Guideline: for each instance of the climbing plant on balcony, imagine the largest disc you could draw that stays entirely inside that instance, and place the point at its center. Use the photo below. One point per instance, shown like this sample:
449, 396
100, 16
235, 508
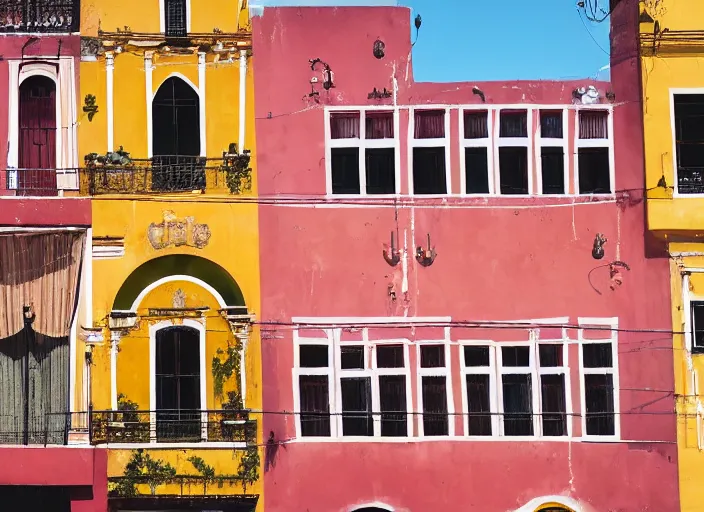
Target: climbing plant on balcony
226, 363
248, 470
119, 158
238, 173
206, 472
142, 468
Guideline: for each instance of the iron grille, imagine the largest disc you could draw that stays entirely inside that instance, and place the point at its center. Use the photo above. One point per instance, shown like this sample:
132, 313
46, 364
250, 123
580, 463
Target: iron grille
39, 16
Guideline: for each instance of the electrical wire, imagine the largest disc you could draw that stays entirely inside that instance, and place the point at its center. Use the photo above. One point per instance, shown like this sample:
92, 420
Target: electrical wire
590, 33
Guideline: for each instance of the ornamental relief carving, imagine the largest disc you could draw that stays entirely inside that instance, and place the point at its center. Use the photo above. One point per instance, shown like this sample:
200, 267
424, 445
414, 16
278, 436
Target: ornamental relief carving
178, 232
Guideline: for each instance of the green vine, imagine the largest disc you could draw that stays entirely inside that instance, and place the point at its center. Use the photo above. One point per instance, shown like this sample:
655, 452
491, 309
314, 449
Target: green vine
206, 472
141, 468
116, 158
238, 173
226, 363
248, 470
127, 407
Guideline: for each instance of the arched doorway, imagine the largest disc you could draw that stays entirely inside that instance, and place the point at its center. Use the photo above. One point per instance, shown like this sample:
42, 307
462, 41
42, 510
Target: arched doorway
37, 137
176, 162
178, 384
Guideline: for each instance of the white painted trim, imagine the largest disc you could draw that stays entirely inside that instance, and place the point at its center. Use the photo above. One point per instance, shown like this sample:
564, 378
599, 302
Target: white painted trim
114, 341
162, 16
243, 101
110, 99
72, 349
607, 143
609, 324
173, 446
687, 307
178, 277
504, 106
479, 370
426, 143
565, 501
541, 143
375, 504
372, 320
88, 282
362, 143
673, 91
149, 95
487, 143
513, 142
201, 106
153, 329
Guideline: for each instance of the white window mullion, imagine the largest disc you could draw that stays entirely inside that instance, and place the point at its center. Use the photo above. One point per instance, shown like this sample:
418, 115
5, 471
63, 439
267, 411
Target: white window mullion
362, 152
536, 392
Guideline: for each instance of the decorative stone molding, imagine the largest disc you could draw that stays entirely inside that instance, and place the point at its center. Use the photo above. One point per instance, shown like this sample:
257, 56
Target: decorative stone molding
174, 232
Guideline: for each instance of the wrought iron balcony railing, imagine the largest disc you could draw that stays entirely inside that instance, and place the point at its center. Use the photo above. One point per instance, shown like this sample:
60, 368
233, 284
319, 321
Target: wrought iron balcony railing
41, 182
690, 180
40, 429
172, 426
45, 16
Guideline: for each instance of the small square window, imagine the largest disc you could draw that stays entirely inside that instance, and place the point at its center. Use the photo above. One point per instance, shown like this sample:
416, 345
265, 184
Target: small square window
593, 124
390, 356
476, 356
429, 124
597, 355
379, 125
344, 125
513, 124
313, 356
476, 125
381, 171
352, 357
344, 166
550, 355
550, 124
432, 356
429, 171
515, 356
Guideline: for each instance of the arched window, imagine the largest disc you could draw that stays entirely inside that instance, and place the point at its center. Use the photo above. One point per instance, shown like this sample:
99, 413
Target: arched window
175, 16
177, 381
176, 164
37, 137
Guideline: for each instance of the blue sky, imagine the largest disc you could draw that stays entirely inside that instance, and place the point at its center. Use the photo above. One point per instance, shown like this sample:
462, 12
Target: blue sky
475, 40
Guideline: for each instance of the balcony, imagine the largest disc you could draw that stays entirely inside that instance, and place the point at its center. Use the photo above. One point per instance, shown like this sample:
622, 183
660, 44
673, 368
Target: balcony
41, 182
46, 16
172, 426
36, 430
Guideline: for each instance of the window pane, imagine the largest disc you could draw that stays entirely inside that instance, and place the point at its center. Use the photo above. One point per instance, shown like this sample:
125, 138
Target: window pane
315, 405
513, 170
381, 171
392, 400
429, 171
599, 398
597, 355
515, 356
478, 405
344, 125
552, 392
476, 168
379, 125
552, 162
550, 355
352, 357
344, 165
313, 356
518, 405
429, 124
593, 124
435, 420
432, 356
356, 407
513, 124
594, 177
389, 356
550, 124
689, 133
476, 356
476, 125
697, 326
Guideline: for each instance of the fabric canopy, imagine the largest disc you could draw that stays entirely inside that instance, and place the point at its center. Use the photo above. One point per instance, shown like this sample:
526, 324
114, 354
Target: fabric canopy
40, 270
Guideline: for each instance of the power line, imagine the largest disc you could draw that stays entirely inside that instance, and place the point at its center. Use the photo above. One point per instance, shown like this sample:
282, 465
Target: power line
590, 33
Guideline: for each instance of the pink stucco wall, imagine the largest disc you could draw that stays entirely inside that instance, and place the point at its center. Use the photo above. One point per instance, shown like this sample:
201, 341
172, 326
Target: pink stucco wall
498, 259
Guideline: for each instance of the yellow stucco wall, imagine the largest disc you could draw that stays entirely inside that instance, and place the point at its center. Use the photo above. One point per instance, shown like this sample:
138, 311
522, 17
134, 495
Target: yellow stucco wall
672, 217
234, 240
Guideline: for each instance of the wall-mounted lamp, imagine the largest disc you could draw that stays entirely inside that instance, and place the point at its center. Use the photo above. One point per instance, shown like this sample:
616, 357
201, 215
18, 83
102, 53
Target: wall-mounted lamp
327, 73
392, 255
378, 95
598, 247
476, 90
378, 49
426, 256
615, 273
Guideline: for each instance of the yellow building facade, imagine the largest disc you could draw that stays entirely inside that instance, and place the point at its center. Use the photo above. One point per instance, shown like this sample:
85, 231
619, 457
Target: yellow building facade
169, 364
672, 66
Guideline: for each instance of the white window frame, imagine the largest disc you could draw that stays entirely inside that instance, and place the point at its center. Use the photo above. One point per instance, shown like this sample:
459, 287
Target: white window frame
595, 143
563, 370
162, 16
487, 142
383, 372
519, 370
362, 144
328, 371
513, 142
673, 126
446, 372
429, 143
563, 143
493, 389
610, 324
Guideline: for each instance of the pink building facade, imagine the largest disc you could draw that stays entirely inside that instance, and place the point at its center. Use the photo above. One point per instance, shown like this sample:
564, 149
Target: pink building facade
44, 237
444, 326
